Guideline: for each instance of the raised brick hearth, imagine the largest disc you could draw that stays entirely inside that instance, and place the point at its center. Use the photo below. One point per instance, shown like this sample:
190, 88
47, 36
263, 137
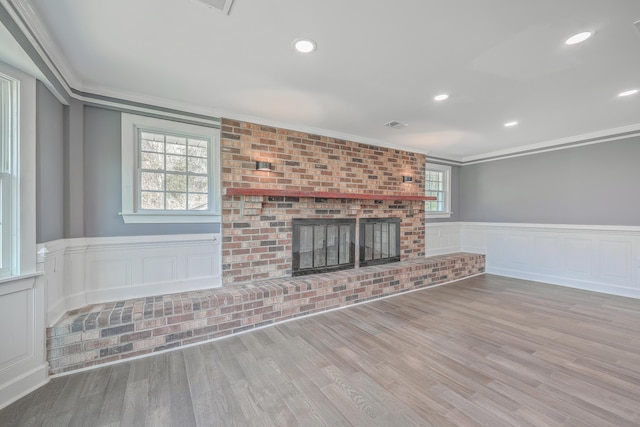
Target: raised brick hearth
108, 332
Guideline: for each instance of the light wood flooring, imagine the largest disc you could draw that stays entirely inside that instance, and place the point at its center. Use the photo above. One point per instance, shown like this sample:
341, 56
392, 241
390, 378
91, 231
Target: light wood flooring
487, 351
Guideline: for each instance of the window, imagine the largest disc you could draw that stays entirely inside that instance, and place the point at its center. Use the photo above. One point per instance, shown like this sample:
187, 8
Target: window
438, 185
17, 172
8, 150
170, 171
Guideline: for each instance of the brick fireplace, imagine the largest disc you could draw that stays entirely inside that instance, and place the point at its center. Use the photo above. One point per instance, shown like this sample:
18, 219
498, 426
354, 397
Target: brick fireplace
257, 229
355, 181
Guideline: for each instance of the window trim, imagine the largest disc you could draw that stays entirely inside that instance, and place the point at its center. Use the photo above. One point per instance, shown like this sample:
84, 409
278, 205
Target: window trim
23, 179
9, 191
447, 193
131, 124
7, 229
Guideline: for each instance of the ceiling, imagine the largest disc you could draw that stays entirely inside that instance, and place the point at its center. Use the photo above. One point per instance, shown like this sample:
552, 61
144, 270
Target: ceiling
376, 61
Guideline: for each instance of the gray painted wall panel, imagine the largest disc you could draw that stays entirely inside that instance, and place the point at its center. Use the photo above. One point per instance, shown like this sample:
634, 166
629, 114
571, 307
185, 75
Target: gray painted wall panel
49, 166
102, 182
595, 184
74, 170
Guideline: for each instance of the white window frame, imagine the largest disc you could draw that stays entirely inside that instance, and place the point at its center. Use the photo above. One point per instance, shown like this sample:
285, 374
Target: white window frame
9, 122
19, 132
446, 213
131, 125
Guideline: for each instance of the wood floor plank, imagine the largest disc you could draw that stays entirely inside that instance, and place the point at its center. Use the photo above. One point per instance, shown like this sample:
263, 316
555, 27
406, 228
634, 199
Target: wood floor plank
29, 412
181, 406
211, 394
485, 351
261, 393
136, 396
113, 396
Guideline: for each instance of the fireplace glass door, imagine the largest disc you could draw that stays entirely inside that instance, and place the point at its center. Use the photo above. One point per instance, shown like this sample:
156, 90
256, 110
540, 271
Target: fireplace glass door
321, 245
379, 241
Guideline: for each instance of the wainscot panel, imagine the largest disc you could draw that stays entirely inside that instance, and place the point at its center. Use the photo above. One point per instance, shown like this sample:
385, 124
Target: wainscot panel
442, 238
85, 271
591, 257
23, 366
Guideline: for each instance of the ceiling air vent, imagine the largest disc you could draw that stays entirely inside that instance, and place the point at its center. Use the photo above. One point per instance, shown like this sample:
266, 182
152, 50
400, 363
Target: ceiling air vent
223, 5
396, 124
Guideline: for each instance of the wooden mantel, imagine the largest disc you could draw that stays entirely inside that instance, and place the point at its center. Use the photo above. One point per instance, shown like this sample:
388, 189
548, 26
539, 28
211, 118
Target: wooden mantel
322, 194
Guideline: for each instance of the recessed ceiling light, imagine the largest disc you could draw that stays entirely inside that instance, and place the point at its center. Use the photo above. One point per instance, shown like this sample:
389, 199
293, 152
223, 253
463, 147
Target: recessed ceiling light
578, 38
628, 92
441, 97
304, 45
510, 124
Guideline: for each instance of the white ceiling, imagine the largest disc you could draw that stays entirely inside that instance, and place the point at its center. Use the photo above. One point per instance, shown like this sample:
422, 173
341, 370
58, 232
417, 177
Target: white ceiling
376, 61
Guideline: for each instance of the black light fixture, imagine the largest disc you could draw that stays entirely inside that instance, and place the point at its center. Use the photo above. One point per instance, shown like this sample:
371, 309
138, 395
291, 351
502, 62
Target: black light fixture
407, 178
263, 166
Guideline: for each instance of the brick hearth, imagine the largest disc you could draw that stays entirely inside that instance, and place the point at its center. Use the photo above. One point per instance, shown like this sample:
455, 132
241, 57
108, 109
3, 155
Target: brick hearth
108, 332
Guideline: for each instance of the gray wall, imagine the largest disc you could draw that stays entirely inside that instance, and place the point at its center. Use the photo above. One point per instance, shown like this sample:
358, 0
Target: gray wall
594, 184
74, 170
102, 182
49, 166
455, 196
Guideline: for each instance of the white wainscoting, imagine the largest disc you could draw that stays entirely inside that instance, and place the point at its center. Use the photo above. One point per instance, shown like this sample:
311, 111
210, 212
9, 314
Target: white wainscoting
597, 258
85, 271
442, 238
23, 367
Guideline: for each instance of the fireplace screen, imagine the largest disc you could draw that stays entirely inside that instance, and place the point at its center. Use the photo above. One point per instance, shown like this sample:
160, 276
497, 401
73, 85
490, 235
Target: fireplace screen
321, 245
379, 241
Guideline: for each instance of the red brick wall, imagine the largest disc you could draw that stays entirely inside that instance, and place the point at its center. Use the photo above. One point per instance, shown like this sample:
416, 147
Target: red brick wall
257, 230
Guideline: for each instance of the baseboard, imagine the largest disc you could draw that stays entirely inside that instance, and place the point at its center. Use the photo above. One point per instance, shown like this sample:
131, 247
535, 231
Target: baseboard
58, 309
23, 385
569, 283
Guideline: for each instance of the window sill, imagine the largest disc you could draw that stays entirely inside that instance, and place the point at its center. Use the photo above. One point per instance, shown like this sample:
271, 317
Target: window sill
170, 218
10, 284
436, 215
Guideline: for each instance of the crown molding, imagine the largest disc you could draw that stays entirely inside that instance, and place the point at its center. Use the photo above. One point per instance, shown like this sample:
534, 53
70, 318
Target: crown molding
444, 159
42, 49
557, 144
144, 104
149, 106
65, 84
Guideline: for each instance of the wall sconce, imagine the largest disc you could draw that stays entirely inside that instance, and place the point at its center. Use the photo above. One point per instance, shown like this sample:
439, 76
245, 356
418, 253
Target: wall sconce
407, 178
263, 166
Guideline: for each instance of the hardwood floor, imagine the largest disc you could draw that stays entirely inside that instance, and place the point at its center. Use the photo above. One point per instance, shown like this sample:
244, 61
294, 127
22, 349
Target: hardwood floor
487, 351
